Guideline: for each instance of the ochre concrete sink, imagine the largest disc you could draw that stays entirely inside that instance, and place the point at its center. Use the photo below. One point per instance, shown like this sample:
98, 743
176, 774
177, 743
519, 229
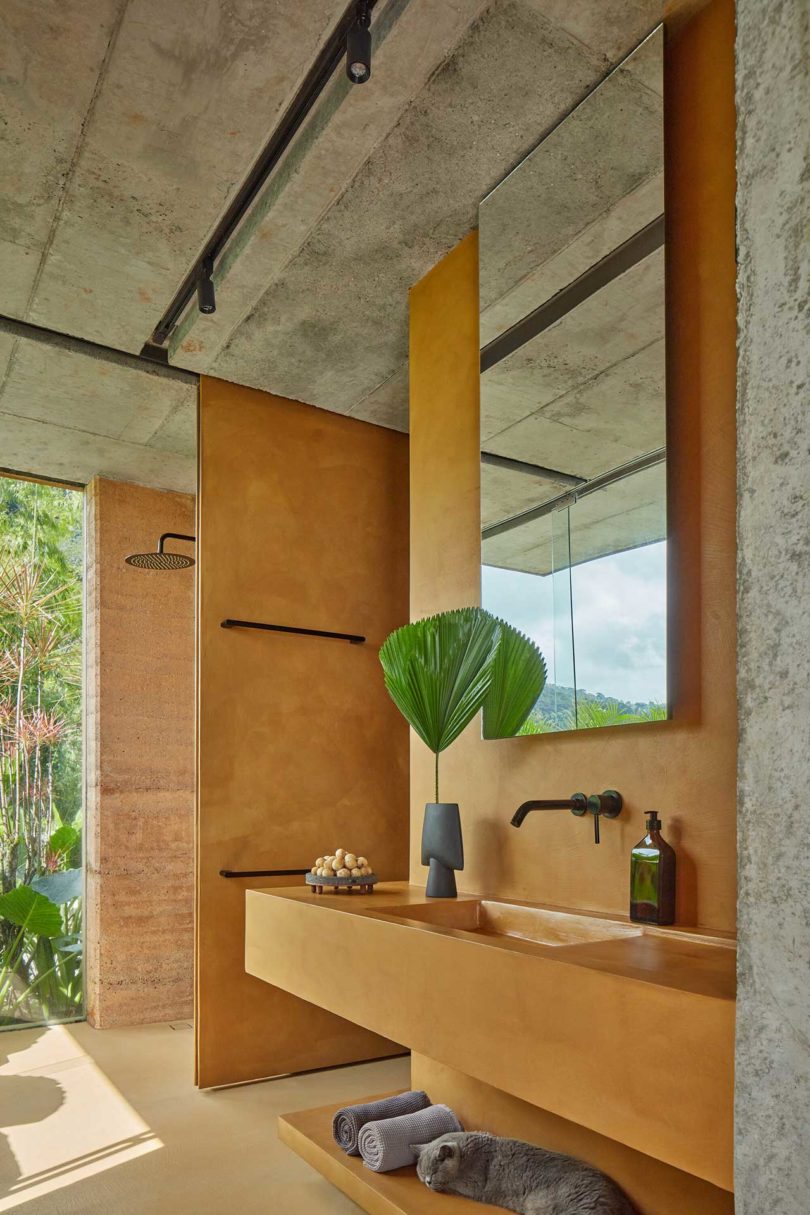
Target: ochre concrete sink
587, 1016
491, 918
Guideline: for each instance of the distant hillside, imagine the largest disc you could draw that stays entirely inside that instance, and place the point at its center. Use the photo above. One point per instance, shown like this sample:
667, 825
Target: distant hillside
555, 709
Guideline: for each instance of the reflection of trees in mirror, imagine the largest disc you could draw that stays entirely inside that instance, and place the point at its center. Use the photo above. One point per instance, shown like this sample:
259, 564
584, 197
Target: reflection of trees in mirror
591, 712
41, 557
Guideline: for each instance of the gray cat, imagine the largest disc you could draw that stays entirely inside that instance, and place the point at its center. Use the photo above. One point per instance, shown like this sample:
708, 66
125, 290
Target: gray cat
518, 1176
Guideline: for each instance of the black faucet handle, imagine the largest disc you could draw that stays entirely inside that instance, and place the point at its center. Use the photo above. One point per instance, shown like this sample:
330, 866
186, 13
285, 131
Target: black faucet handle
607, 805
579, 804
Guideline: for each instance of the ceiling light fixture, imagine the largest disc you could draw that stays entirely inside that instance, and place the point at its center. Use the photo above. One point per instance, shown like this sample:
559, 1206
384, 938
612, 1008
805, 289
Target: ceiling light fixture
334, 52
206, 299
358, 46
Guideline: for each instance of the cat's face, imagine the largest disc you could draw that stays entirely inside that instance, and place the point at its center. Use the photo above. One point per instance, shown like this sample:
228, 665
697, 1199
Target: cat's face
437, 1163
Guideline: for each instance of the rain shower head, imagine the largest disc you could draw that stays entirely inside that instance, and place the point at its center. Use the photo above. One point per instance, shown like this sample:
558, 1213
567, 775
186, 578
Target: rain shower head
160, 560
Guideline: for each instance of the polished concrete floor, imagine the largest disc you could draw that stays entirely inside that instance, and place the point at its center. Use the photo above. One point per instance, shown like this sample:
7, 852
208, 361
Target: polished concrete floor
109, 1123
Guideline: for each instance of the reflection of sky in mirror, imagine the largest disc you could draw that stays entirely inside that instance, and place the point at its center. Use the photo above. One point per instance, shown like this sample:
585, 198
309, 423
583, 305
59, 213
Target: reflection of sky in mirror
619, 619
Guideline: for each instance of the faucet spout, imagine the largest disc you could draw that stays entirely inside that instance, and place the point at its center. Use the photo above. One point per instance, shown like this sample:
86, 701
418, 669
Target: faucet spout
577, 803
600, 805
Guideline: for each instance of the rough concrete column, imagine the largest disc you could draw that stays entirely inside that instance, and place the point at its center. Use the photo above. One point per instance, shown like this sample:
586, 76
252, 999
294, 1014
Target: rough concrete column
773, 1038
140, 761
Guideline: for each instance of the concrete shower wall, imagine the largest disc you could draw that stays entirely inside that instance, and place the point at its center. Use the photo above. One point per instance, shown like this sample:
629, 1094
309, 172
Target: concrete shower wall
773, 207
140, 761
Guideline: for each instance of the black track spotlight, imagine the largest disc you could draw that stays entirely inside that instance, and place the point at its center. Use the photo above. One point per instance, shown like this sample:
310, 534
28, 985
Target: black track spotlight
358, 46
206, 300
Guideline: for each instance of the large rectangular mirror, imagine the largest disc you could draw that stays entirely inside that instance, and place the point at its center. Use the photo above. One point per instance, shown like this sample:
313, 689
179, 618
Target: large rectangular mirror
573, 403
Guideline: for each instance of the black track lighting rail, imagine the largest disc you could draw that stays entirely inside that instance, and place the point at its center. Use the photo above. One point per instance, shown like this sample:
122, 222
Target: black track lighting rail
159, 367
331, 55
352, 638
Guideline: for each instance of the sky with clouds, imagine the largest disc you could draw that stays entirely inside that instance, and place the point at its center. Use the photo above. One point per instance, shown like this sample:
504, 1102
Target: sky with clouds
619, 620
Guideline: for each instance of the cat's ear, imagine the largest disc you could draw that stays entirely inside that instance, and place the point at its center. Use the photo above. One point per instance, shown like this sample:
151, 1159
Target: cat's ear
446, 1150
417, 1149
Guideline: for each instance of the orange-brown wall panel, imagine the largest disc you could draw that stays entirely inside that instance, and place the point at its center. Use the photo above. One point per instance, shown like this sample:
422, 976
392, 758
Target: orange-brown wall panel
303, 521
139, 904
685, 768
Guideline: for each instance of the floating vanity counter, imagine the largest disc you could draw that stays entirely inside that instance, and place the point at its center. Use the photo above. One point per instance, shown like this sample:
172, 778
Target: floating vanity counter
625, 1029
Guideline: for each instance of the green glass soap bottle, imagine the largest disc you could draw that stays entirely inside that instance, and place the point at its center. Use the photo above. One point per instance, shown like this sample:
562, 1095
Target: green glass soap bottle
652, 877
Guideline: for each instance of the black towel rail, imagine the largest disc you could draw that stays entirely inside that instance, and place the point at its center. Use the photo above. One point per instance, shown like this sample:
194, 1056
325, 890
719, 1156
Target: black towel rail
352, 638
239, 873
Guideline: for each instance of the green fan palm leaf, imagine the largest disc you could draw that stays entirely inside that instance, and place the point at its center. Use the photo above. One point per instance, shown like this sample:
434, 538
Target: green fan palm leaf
518, 678
438, 672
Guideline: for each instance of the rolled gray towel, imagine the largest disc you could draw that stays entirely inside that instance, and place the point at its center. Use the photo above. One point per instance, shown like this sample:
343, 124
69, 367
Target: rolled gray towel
386, 1145
349, 1121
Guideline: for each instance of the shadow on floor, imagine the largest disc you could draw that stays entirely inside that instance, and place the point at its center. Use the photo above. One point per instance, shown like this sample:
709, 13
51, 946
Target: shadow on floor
23, 1100
126, 1131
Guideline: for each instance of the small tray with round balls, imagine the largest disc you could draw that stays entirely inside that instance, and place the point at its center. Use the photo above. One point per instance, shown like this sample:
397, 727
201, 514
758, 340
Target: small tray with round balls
341, 870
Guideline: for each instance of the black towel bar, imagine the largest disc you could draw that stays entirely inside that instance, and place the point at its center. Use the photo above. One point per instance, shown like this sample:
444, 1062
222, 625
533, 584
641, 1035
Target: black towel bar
236, 873
352, 638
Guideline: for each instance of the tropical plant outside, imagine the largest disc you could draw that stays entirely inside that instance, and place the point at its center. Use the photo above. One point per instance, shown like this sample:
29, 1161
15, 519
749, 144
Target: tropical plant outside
41, 561
590, 713
442, 670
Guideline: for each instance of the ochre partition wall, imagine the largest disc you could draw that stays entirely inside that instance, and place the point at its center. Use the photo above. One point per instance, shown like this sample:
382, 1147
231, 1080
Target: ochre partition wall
140, 761
684, 768
303, 521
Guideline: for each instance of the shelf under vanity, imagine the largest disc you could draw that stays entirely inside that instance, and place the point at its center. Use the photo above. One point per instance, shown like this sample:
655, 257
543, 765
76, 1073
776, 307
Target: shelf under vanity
308, 1133
587, 1003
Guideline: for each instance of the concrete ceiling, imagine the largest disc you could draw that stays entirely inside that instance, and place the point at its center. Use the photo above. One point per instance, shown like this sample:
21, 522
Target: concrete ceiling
586, 395
131, 123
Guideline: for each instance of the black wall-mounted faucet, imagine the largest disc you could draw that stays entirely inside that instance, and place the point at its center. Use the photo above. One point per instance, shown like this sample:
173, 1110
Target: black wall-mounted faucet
600, 805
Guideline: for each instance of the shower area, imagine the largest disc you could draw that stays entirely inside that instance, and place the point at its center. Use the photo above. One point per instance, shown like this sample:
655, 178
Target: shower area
140, 754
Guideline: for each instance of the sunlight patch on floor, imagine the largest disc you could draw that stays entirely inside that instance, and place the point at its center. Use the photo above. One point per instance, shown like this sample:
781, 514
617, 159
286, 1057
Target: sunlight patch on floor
62, 1118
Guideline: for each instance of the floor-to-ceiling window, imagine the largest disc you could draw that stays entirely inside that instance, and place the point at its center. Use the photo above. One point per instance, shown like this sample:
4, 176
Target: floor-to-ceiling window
41, 760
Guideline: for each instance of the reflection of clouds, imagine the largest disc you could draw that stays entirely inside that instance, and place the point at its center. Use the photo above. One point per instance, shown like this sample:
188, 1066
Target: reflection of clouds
619, 619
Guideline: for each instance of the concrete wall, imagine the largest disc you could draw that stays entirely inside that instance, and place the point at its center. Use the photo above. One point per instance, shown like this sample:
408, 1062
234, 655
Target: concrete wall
140, 761
773, 1055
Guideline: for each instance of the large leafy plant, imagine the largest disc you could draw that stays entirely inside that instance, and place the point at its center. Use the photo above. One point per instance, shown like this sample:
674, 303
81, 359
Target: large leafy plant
442, 670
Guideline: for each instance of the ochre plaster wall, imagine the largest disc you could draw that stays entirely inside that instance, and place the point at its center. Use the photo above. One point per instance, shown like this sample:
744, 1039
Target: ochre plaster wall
140, 761
685, 768
303, 520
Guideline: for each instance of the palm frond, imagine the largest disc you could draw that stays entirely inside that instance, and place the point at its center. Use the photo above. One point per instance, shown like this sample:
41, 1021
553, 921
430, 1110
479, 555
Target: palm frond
518, 678
438, 671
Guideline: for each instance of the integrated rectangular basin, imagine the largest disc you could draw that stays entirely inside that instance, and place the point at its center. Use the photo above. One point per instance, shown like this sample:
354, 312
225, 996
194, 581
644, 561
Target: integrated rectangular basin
491, 918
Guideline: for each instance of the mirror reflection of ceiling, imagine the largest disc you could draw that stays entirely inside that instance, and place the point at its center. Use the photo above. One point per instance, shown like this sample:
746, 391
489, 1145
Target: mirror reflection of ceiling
131, 124
626, 514
586, 395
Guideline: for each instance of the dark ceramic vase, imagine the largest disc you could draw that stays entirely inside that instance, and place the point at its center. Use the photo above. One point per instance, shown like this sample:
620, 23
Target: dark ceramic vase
442, 848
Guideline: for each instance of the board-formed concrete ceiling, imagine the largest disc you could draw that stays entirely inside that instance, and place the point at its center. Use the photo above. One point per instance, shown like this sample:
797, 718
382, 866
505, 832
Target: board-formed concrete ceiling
129, 126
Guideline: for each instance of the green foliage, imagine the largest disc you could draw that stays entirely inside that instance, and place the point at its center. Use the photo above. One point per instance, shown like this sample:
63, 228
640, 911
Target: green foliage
518, 678
41, 565
31, 911
65, 845
440, 671
653, 712
61, 887
592, 713
558, 709
536, 725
